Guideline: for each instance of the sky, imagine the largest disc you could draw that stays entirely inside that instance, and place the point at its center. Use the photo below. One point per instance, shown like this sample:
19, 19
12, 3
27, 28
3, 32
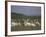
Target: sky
26, 10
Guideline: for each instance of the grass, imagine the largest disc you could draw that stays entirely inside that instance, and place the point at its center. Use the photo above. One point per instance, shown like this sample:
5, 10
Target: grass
23, 28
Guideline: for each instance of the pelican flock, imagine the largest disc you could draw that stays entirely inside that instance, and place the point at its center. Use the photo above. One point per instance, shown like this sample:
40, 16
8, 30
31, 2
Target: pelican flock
26, 23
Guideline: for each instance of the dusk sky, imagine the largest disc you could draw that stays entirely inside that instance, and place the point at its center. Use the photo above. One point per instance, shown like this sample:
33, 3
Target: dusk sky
26, 10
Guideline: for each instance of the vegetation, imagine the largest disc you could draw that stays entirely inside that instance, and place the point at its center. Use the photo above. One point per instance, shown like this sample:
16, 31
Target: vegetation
17, 17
